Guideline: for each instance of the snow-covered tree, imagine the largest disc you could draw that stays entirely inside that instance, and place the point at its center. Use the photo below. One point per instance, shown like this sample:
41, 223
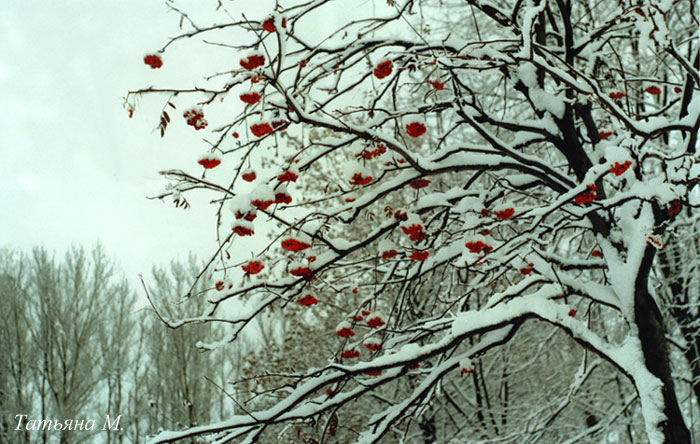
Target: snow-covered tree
16, 365
425, 181
64, 342
180, 384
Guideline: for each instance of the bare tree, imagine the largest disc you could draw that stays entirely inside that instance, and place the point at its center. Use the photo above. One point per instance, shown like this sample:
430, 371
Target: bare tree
184, 385
70, 309
117, 339
16, 365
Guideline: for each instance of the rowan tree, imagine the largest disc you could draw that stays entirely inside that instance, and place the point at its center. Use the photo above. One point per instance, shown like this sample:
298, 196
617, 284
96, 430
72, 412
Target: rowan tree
431, 179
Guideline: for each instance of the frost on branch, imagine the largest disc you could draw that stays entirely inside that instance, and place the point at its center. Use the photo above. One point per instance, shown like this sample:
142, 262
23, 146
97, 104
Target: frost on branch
467, 210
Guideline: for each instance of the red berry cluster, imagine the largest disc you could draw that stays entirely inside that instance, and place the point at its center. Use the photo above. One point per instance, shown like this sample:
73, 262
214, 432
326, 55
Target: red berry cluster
249, 176
288, 176
260, 129
279, 124
307, 301
195, 118
527, 270
250, 217
618, 169
394, 161
605, 134
375, 322
371, 154
243, 231
269, 24
572, 312
351, 354
504, 214
653, 90
415, 129
675, 207
250, 98
300, 271
359, 179
262, 204
252, 61
373, 346
587, 196
477, 247
209, 163
283, 198
383, 69
414, 232
294, 245
219, 285
617, 95
437, 84
597, 253
345, 332
399, 215
389, 254
419, 256
153, 60
419, 183
253, 267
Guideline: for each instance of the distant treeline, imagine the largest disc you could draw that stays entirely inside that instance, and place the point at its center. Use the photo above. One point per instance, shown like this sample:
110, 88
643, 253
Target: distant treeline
75, 353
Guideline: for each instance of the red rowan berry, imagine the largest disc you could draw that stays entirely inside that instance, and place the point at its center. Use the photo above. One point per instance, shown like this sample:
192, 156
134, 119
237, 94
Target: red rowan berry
415, 129
153, 60
383, 69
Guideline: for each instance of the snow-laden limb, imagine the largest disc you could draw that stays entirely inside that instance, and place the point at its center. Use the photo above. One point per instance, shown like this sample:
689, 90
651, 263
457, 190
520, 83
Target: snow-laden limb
539, 305
294, 407
628, 356
381, 424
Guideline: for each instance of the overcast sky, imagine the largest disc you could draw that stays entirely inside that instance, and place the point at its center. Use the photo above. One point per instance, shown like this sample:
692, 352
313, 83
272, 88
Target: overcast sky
74, 168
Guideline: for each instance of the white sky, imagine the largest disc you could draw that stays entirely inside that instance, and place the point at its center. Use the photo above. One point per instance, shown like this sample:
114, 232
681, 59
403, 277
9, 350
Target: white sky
74, 169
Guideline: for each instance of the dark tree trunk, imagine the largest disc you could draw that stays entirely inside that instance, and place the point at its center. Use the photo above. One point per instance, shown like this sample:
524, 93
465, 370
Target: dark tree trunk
654, 346
669, 262
427, 426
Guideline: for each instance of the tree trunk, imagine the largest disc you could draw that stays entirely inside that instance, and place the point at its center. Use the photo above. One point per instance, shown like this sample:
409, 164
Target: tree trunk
669, 262
427, 426
652, 335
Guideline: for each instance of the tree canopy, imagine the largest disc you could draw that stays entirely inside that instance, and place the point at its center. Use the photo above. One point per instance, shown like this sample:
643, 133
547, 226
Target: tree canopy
434, 185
